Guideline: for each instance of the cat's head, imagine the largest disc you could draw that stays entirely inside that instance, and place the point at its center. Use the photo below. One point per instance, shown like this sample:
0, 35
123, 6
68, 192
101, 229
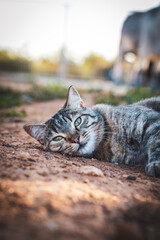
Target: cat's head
74, 129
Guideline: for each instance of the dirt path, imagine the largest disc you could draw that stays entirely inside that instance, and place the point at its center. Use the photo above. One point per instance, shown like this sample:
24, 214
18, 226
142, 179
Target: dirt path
46, 196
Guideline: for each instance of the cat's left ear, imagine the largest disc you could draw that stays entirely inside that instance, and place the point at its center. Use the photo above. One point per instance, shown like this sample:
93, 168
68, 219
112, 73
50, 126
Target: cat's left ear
73, 99
35, 130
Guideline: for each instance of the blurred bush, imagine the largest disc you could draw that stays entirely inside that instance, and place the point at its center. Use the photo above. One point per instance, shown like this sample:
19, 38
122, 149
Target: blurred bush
45, 66
44, 93
9, 97
131, 96
13, 113
10, 62
93, 65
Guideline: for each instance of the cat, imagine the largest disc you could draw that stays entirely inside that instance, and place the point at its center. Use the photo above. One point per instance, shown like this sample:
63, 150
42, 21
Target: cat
127, 134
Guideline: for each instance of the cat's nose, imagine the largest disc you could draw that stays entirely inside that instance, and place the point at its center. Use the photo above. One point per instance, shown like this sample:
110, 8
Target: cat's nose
76, 139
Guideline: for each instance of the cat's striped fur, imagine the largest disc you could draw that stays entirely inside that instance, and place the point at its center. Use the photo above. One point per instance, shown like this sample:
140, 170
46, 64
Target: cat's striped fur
125, 134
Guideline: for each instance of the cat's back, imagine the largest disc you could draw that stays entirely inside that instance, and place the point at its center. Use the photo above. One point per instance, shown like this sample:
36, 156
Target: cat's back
129, 121
152, 103
127, 130
144, 110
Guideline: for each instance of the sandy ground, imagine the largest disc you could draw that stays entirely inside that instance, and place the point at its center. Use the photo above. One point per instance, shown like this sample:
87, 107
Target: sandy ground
47, 196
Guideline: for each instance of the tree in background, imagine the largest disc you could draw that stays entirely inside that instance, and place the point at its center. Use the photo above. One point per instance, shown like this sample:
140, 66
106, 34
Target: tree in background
12, 62
45, 66
92, 67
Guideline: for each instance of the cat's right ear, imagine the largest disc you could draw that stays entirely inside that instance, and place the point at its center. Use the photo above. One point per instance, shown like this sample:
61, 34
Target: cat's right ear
73, 99
35, 130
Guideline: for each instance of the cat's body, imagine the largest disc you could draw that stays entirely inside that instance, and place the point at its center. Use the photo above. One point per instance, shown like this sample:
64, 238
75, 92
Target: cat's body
125, 134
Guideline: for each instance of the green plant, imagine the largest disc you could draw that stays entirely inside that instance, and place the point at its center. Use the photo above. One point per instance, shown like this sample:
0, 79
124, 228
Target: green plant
9, 97
131, 96
110, 98
135, 95
90, 90
13, 113
44, 93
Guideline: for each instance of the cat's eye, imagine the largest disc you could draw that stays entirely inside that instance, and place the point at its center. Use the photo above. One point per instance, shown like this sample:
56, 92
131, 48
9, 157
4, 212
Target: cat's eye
58, 138
77, 122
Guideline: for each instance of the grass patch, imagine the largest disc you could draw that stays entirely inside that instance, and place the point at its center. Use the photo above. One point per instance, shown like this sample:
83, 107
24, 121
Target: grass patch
45, 93
13, 113
131, 96
9, 97
90, 90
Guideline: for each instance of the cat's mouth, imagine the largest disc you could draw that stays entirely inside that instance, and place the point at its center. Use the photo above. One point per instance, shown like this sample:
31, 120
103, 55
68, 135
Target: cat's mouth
81, 145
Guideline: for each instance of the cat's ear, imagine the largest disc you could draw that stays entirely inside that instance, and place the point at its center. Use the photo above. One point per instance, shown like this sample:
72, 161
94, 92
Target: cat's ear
35, 130
73, 99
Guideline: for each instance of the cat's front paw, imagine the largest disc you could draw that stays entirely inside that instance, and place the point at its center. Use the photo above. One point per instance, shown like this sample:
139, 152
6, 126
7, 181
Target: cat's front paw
153, 169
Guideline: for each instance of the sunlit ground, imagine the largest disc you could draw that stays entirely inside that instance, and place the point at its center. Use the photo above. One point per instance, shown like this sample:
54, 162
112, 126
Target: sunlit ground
47, 196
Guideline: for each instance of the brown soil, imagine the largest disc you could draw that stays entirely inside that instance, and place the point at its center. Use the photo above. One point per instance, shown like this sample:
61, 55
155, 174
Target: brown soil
46, 196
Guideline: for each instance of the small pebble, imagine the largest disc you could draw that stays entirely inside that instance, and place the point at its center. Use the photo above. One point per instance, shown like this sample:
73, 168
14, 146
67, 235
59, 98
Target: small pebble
76, 164
66, 177
26, 175
32, 168
5, 132
63, 166
24, 155
105, 182
131, 177
92, 171
86, 181
119, 182
31, 160
125, 175
139, 175
35, 154
44, 173
69, 163
20, 170
47, 154
52, 226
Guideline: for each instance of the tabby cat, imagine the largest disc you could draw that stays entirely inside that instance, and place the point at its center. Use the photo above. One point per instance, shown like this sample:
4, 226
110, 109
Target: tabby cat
127, 134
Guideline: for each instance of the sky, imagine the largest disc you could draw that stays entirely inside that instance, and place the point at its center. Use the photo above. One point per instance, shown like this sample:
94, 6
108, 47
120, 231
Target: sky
39, 28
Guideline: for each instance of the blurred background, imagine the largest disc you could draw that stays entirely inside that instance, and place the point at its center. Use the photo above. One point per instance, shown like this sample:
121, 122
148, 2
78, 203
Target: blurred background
110, 51
95, 45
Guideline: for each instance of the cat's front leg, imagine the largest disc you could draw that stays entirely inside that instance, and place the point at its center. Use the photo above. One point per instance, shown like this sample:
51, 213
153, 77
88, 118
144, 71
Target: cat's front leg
153, 166
153, 169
